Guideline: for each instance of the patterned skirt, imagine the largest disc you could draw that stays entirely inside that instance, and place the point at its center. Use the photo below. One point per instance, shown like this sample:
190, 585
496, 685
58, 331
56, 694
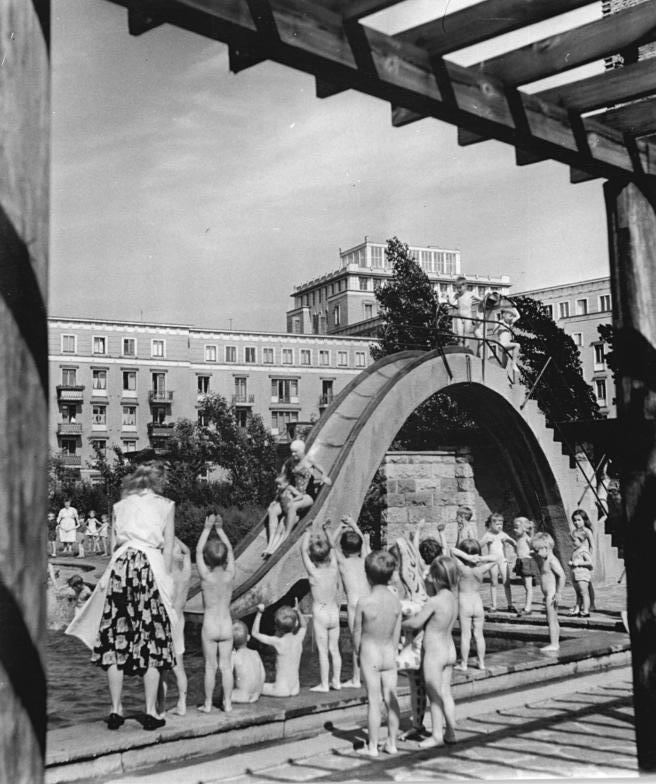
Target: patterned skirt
135, 631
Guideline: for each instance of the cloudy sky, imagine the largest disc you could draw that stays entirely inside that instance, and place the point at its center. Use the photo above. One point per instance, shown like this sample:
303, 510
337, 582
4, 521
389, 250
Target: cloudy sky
182, 193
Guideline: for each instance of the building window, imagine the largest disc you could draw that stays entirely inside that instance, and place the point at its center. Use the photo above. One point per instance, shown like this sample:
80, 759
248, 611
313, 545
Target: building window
342, 358
68, 413
280, 420
306, 356
368, 311
284, 390
129, 381
210, 353
249, 355
241, 389
231, 353
69, 377
68, 344
267, 356
203, 421
599, 358
129, 347
129, 420
324, 357
360, 360
99, 417
363, 283
377, 257
157, 348
129, 445
159, 384
577, 337
336, 316
241, 416
99, 381
203, 385
100, 345
548, 310
296, 325
287, 356
99, 446
600, 390
69, 446
563, 310
582, 307
604, 302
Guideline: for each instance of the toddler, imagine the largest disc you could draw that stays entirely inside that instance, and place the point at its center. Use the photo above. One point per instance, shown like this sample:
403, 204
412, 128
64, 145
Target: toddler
290, 629
375, 637
466, 528
80, 589
247, 667
80, 536
181, 578
103, 533
581, 522
93, 531
321, 566
552, 579
525, 565
216, 568
494, 539
581, 565
277, 512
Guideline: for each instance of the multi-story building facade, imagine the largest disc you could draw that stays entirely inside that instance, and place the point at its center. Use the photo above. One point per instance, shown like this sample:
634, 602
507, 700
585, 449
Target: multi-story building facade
579, 308
126, 383
344, 301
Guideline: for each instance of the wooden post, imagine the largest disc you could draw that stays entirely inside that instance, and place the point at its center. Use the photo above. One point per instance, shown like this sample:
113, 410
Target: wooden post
24, 127
631, 210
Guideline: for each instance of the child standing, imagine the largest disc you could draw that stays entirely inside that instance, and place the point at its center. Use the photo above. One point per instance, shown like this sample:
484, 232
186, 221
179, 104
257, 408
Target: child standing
525, 565
321, 566
80, 536
93, 532
247, 667
181, 578
552, 579
466, 528
288, 644
437, 618
375, 637
216, 567
494, 539
351, 549
103, 533
581, 565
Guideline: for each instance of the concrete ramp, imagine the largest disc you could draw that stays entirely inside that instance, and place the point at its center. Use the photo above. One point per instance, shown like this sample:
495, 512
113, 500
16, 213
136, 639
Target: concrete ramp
354, 433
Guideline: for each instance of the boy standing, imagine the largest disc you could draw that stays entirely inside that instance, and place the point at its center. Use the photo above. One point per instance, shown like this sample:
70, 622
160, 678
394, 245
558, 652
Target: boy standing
216, 567
375, 637
552, 579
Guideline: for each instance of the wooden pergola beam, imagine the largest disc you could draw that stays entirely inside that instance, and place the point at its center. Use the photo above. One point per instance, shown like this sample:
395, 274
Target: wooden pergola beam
637, 118
312, 39
356, 9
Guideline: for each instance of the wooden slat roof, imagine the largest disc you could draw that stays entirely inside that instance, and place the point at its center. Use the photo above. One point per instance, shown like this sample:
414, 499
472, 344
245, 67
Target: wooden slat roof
331, 40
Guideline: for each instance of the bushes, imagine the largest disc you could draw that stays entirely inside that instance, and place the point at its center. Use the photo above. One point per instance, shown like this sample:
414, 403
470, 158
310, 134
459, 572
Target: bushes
237, 521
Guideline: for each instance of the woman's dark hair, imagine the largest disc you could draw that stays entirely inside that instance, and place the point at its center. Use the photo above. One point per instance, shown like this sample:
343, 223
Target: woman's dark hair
379, 567
350, 542
470, 546
583, 515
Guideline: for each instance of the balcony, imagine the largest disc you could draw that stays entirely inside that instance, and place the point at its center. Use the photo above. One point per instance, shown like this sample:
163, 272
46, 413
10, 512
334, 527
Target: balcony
160, 429
70, 392
243, 399
69, 429
325, 400
71, 461
160, 396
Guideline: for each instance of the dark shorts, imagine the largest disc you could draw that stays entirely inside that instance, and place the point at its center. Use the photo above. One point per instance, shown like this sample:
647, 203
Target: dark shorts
526, 567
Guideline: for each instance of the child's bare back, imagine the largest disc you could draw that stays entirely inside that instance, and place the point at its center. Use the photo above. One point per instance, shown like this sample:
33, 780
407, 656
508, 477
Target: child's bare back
288, 645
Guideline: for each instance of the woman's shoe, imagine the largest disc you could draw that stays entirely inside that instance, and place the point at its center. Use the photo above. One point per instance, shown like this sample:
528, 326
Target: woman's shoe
114, 721
152, 723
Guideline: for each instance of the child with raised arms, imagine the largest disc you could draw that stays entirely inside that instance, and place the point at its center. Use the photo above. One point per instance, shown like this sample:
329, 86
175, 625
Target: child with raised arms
437, 619
288, 644
552, 579
375, 637
321, 565
525, 567
216, 568
494, 539
351, 549
247, 667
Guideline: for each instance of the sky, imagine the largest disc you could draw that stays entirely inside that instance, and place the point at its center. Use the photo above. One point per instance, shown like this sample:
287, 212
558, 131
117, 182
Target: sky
182, 193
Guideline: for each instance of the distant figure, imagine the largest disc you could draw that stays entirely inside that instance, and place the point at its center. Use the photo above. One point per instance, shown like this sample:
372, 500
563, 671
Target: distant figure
103, 533
581, 565
288, 644
466, 528
581, 522
503, 335
80, 536
552, 579
67, 522
525, 567
465, 304
247, 667
494, 539
93, 531
216, 568
376, 636
321, 565
52, 534
81, 590
277, 512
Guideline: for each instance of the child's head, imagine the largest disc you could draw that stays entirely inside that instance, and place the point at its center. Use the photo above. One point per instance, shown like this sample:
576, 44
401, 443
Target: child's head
215, 553
542, 543
92, 513
464, 514
282, 481
579, 538
319, 549
470, 546
441, 525
521, 525
444, 573
104, 518
285, 620
429, 549
580, 519
76, 583
379, 567
494, 522
460, 283
239, 634
350, 542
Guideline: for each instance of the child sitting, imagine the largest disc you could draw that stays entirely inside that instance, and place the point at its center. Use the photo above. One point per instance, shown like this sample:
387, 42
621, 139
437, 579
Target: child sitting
525, 565
288, 644
351, 548
80, 590
375, 637
437, 618
581, 564
247, 667
277, 512
216, 568
552, 579
494, 539
321, 566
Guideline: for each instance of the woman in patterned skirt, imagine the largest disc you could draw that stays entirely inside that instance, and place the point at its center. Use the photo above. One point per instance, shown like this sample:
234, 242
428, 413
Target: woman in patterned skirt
127, 621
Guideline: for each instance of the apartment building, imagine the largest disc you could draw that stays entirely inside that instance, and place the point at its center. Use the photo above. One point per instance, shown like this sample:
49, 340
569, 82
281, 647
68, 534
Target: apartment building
579, 308
126, 383
343, 302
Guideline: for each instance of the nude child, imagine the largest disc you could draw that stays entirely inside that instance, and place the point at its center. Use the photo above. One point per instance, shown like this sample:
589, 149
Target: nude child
247, 667
216, 567
288, 644
552, 579
181, 578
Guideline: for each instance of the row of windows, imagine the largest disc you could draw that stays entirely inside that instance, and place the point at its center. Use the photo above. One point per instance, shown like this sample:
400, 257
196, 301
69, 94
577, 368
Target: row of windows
287, 356
580, 307
99, 346
598, 354
437, 261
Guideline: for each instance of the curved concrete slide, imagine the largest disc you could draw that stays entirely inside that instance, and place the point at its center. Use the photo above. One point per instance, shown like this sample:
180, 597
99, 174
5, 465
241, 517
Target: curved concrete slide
353, 435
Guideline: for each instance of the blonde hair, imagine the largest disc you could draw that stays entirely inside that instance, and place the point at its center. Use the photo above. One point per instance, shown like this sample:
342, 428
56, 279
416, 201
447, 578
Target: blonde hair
527, 525
542, 539
149, 476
